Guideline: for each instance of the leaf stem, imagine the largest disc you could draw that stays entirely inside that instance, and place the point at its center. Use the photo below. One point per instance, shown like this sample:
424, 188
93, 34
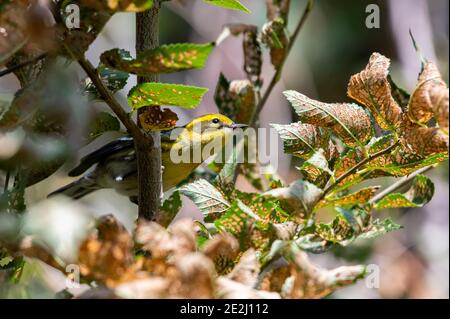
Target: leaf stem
356, 167
106, 94
399, 184
23, 64
276, 77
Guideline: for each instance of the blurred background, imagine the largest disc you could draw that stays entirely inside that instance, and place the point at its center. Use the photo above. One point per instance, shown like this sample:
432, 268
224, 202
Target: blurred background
334, 44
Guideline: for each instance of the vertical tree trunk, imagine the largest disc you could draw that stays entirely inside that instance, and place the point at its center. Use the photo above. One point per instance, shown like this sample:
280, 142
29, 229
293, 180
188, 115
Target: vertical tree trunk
148, 155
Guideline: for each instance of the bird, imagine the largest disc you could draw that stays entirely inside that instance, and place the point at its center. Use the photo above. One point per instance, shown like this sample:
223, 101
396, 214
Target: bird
116, 164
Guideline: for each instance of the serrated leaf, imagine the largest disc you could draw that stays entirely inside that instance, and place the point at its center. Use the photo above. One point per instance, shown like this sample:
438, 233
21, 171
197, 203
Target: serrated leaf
359, 197
420, 193
118, 5
371, 88
205, 196
113, 79
164, 59
302, 139
348, 121
316, 169
146, 94
298, 199
425, 98
379, 228
157, 119
229, 4
103, 122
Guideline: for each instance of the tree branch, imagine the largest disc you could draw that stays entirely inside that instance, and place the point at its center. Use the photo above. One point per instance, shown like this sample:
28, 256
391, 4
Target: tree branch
399, 184
356, 167
148, 156
276, 77
23, 64
106, 94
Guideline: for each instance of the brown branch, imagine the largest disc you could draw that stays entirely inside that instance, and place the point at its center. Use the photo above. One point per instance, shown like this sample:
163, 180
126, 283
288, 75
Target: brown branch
399, 184
276, 77
149, 157
356, 167
109, 98
23, 64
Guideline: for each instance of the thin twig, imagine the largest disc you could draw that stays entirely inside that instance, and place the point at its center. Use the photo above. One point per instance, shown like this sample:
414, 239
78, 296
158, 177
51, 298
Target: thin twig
356, 167
399, 184
22, 64
276, 77
106, 94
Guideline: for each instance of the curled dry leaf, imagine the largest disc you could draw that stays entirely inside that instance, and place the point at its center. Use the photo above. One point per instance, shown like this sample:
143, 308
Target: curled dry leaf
274, 36
441, 107
427, 95
223, 250
349, 122
106, 256
230, 289
423, 141
247, 269
252, 57
371, 88
278, 9
242, 92
196, 274
157, 119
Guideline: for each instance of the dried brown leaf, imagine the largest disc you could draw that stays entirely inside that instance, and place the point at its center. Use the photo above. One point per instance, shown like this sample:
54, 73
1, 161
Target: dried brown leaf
223, 250
371, 88
247, 269
429, 90
441, 107
423, 141
230, 289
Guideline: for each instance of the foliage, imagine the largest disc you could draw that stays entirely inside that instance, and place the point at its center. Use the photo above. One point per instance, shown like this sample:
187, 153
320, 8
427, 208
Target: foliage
250, 244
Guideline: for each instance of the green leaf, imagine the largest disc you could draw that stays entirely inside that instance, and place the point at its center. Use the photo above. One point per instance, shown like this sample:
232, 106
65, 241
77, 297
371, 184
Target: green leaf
115, 80
349, 122
206, 197
118, 5
420, 193
379, 228
298, 199
170, 208
316, 169
164, 59
103, 122
228, 4
165, 94
302, 139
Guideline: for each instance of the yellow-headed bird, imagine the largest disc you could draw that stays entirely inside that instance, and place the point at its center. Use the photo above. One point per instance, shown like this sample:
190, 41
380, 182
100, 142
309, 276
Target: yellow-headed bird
116, 161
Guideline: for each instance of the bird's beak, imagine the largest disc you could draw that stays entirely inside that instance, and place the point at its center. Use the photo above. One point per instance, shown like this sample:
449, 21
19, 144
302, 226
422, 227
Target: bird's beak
234, 126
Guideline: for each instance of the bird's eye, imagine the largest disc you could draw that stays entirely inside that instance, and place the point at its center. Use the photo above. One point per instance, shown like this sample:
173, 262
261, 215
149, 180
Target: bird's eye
215, 121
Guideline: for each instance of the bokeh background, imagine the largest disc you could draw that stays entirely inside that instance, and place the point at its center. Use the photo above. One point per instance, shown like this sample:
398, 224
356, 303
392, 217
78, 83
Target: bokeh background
334, 44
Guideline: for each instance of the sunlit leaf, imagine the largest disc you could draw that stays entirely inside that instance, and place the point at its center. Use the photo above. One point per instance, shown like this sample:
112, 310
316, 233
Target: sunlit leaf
205, 196
157, 119
165, 94
302, 139
424, 141
371, 88
420, 193
349, 122
163, 59
379, 228
359, 197
228, 4
316, 169
298, 199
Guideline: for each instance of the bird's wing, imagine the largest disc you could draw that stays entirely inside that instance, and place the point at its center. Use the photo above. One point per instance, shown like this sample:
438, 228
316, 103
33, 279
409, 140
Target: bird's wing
111, 148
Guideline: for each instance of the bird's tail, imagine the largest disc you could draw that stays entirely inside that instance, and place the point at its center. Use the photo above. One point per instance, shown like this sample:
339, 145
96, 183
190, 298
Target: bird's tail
78, 189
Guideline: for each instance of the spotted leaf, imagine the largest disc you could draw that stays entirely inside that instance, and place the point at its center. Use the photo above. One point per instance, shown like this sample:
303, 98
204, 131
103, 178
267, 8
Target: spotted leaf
157, 119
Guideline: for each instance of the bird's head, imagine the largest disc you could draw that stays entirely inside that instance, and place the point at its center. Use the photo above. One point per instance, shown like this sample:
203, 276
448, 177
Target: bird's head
207, 128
